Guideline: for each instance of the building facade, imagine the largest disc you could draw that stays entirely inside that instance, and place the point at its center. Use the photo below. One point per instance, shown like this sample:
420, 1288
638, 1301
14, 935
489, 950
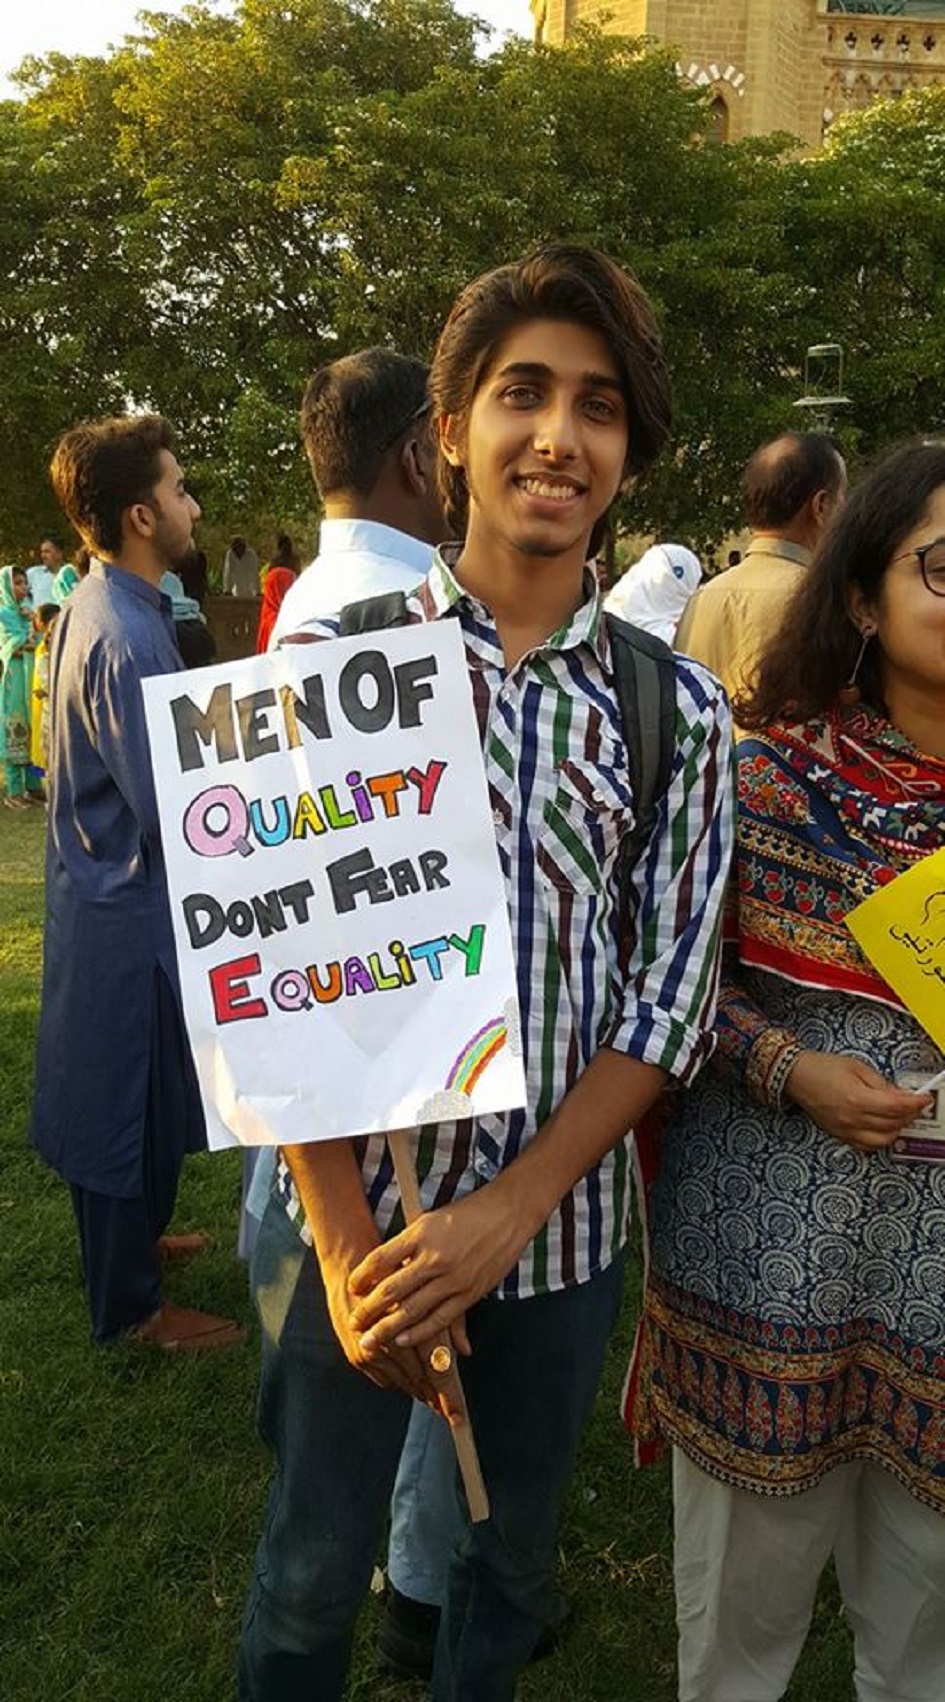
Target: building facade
792, 65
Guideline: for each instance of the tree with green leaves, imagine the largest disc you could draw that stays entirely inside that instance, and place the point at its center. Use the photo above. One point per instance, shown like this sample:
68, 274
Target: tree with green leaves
196, 221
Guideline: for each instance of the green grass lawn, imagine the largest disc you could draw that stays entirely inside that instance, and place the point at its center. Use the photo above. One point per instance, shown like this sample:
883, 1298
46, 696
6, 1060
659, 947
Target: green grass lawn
133, 1485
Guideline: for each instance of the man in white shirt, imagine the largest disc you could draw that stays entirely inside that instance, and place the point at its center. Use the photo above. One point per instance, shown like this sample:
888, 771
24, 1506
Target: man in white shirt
365, 426
42, 577
240, 570
365, 429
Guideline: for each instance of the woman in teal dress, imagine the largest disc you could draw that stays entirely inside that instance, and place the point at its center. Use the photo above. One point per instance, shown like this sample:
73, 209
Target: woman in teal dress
16, 660
792, 1349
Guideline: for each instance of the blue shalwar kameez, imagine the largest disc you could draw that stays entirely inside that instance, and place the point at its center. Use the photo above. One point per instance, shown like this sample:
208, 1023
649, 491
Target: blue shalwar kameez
116, 1104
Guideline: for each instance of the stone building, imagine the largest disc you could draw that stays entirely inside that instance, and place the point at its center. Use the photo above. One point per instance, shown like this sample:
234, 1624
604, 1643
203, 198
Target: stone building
791, 65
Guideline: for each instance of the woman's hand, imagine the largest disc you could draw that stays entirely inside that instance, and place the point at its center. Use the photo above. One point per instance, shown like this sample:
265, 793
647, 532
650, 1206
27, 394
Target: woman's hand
852, 1101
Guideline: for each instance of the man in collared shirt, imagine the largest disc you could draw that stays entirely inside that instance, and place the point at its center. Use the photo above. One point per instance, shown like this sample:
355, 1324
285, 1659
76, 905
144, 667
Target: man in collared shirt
365, 426
42, 578
550, 391
116, 1103
791, 488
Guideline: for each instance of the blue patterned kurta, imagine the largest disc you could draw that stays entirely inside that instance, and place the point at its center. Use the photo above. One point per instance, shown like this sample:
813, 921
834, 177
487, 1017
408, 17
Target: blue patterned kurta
796, 1307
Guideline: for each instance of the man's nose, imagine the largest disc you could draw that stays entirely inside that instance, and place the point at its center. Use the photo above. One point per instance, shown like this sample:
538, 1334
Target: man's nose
556, 430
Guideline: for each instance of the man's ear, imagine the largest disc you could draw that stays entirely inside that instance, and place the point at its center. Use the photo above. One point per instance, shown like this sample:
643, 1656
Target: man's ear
451, 440
822, 505
139, 519
414, 469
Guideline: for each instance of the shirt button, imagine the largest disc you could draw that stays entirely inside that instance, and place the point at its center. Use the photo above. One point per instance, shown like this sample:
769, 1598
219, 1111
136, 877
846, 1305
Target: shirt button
498, 818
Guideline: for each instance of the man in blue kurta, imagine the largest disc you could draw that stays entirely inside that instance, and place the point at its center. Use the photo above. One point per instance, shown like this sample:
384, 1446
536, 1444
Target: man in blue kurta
116, 1105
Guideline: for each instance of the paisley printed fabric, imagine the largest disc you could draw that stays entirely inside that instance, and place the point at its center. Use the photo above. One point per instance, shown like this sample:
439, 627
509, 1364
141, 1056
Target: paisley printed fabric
796, 1307
795, 1313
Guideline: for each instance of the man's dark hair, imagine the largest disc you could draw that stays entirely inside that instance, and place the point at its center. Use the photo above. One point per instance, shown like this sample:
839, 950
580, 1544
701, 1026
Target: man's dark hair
55, 539
284, 553
564, 282
102, 467
354, 411
783, 475
815, 649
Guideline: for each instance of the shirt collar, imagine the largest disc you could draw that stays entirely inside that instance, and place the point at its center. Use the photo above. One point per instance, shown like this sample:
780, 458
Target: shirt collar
125, 581
444, 593
370, 537
763, 544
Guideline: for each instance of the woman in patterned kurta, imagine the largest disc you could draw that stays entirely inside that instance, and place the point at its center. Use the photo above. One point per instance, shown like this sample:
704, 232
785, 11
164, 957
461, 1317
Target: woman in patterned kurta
793, 1344
16, 674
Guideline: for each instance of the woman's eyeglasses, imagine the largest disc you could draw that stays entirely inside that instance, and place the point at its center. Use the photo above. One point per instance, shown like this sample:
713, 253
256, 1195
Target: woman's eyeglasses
931, 560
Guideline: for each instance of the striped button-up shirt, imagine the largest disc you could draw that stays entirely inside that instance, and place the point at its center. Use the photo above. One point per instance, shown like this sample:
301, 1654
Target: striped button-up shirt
556, 765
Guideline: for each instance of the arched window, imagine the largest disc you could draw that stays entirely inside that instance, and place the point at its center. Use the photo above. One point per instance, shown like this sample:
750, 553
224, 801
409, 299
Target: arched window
719, 119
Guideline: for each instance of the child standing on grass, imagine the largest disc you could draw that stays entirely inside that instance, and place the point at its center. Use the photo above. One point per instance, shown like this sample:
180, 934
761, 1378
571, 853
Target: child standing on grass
43, 621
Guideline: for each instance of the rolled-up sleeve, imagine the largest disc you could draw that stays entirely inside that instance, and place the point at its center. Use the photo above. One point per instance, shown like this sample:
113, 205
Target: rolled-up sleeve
671, 984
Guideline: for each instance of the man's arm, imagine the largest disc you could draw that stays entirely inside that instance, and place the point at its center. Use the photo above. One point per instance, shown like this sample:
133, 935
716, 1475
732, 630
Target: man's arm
121, 734
329, 1184
439, 1266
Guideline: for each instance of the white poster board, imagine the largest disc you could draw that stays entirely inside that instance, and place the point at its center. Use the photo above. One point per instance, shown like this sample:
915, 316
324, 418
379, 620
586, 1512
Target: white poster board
339, 911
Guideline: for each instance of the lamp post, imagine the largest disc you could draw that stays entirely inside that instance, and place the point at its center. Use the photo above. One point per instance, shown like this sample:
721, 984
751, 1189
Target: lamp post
823, 385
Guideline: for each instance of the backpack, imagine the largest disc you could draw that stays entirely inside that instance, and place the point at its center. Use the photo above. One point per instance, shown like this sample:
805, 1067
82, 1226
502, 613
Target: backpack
645, 681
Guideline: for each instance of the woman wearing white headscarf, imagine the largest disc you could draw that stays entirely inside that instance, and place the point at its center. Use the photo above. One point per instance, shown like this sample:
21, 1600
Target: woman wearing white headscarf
653, 593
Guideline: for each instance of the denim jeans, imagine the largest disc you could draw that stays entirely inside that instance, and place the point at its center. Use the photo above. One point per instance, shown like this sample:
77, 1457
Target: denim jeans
337, 1438
426, 1518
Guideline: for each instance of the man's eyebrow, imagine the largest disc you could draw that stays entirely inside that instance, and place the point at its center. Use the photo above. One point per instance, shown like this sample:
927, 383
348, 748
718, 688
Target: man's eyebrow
538, 369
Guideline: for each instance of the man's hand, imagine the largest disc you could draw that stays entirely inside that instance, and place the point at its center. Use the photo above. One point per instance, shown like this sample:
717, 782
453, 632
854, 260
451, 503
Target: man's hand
427, 1277
852, 1101
390, 1367
344, 1233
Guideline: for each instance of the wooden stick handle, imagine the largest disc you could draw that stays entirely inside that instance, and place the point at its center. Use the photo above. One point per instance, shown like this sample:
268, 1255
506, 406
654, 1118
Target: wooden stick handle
464, 1442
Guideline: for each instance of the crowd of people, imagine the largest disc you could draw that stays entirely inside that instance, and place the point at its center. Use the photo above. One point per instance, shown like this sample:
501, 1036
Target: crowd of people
696, 1018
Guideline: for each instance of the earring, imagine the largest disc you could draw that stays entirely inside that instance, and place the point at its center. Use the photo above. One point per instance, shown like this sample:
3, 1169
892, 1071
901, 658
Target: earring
850, 693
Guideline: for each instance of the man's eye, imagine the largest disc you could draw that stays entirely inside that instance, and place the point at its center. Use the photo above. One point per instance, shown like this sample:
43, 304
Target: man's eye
600, 407
520, 395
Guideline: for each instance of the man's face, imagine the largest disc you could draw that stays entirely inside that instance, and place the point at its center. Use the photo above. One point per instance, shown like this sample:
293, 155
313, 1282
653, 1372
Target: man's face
175, 512
545, 445
50, 555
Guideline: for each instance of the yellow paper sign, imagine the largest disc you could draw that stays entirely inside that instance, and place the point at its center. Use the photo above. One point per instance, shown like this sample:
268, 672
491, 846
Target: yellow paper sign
901, 929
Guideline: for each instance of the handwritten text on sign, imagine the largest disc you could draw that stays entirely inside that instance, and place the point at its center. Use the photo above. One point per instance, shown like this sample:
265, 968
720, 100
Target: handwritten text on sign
901, 929
339, 911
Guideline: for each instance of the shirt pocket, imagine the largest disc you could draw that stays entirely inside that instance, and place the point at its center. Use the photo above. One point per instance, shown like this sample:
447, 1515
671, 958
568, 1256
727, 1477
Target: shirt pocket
583, 822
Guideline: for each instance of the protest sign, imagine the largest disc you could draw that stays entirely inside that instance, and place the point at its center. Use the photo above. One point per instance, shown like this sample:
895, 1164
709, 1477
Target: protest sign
901, 929
339, 911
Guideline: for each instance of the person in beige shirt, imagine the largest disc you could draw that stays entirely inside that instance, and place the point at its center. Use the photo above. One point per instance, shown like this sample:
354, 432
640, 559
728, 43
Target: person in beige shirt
791, 487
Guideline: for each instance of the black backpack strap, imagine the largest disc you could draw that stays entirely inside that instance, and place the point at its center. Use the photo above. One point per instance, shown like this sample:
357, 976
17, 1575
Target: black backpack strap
645, 682
373, 614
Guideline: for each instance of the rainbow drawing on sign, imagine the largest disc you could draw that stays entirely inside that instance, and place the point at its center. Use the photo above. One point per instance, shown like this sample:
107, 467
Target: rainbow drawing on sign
476, 1056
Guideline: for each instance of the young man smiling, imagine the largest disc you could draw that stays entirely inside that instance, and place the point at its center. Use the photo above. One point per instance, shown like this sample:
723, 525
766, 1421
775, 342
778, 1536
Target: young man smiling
550, 391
